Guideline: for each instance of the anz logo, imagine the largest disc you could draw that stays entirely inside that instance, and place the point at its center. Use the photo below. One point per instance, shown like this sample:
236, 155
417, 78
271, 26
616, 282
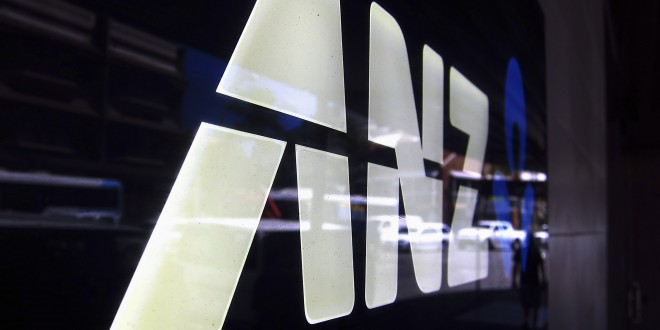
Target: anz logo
289, 59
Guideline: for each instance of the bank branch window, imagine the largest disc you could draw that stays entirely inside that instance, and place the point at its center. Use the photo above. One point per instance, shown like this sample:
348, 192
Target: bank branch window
273, 164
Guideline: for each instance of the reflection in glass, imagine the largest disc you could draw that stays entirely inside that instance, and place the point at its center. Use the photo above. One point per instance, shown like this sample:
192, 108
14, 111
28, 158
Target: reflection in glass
468, 253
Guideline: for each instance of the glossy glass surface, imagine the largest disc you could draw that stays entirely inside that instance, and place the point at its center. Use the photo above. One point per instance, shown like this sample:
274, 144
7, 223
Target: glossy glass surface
274, 164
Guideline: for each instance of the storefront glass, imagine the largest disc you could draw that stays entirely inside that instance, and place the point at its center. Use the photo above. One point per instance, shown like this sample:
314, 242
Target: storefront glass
278, 164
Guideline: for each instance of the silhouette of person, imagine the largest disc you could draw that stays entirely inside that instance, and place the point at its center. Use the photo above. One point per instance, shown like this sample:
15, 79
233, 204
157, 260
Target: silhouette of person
529, 276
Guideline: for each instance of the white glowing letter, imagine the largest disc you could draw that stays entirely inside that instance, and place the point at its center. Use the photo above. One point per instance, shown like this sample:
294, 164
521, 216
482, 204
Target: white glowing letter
325, 234
289, 58
393, 122
190, 268
382, 235
432, 105
468, 111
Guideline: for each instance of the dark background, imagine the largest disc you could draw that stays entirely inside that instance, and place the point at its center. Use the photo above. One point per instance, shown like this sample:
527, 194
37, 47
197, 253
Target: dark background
78, 107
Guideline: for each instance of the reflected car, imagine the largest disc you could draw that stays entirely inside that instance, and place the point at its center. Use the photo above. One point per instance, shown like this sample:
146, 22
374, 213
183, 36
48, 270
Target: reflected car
542, 236
497, 233
427, 236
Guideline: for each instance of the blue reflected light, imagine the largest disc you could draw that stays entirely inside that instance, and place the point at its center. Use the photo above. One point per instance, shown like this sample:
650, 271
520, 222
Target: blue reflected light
514, 115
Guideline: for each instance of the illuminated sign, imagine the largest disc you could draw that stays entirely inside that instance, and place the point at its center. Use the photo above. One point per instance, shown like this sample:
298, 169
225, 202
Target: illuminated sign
191, 266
